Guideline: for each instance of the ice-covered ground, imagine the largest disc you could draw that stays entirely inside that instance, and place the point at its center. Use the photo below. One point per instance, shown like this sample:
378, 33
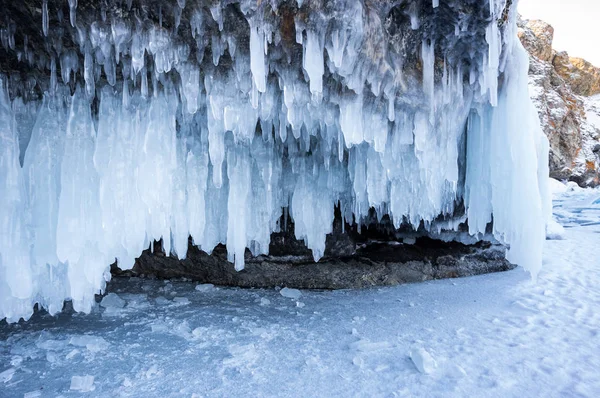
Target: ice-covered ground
497, 335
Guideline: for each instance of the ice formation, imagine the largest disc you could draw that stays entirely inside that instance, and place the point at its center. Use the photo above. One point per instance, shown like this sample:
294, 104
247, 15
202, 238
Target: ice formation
134, 121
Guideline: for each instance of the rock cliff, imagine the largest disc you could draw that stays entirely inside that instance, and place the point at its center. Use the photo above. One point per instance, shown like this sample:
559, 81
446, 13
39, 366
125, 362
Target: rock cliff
565, 91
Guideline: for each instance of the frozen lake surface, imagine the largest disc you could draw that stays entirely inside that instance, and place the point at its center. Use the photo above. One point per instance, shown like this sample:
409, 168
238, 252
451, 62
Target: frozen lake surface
499, 335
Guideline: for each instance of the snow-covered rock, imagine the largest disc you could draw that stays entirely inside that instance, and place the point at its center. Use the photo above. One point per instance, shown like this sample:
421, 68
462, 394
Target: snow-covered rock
563, 90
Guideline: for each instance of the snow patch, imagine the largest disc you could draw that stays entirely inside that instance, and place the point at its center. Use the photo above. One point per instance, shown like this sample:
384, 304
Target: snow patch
554, 231
557, 187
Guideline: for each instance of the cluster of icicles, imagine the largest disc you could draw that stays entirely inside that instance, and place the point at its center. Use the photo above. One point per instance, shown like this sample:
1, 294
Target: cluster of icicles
216, 155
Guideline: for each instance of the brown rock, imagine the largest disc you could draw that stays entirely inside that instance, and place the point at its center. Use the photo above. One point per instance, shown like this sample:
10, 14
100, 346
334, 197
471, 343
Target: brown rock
537, 39
557, 87
582, 76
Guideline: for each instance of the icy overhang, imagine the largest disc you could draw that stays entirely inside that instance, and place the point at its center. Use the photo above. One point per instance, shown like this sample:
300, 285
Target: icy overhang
126, 122
373, 44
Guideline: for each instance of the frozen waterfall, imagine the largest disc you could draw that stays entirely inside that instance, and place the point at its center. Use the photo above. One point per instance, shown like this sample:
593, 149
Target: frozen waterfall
139, 120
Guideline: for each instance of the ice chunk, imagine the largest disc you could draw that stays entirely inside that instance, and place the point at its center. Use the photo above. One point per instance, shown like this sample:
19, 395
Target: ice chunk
91, 343
264, 301
367, 346
205, 287
290, 293
160, 300
181, 300
7, 375
82, 383
112, 300
423, 360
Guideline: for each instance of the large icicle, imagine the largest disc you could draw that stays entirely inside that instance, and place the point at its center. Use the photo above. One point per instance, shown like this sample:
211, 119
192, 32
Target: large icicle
16, 281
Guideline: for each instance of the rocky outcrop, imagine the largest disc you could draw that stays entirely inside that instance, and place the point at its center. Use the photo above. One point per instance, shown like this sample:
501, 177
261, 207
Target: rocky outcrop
582, 76
374, 263
537, 37
562, 89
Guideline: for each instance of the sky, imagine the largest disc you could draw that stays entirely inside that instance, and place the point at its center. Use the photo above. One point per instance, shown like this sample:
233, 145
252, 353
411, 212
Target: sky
576, 24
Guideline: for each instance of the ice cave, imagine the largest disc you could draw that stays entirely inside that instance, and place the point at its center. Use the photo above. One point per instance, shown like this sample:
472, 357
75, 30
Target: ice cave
271, 130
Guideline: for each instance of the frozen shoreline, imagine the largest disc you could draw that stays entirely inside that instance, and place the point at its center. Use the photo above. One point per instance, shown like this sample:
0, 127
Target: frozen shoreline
494, 335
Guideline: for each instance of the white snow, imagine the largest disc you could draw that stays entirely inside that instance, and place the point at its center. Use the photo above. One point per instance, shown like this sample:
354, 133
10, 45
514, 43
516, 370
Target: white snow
557, 187
554, 230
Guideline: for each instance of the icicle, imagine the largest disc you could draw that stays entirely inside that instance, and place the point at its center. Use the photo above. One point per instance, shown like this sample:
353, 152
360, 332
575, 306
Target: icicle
413, 12
17, 283
45, 17
126, 96
492, 37
257, 59
53, 78
313, 62
238, 172
144, 84
73, 12
88, 73
217, 15
428, 59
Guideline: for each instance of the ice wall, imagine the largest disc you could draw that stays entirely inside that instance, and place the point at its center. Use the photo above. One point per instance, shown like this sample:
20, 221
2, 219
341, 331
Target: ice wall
164, 120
